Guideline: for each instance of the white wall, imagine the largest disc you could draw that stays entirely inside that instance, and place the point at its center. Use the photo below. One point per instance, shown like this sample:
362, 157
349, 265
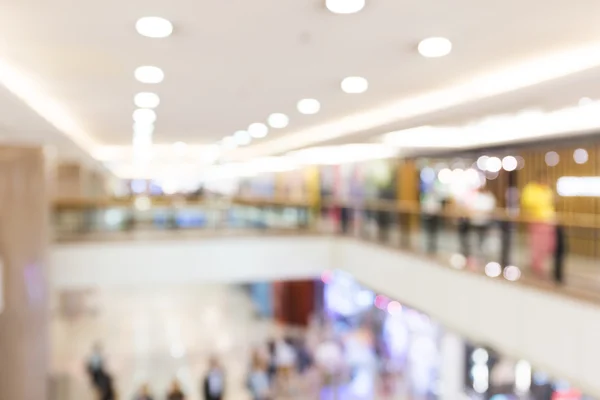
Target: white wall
554, 333
235, 259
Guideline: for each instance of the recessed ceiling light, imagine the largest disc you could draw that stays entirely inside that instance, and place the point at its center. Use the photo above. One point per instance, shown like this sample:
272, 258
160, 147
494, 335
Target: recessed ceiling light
143, 128
154, 27
258, 130
149, 74
146, 100
435, 47
309, 106
345, 6
142, 140
144, 116
229, 143
278, 120
242, 138
355, 84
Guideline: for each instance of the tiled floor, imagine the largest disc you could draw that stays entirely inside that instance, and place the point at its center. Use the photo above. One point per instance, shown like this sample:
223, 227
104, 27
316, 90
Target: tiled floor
156, 334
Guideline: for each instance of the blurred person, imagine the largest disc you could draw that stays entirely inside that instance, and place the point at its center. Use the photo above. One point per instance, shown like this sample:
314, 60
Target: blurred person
537, 202
214, 382
329, 359
559, 254
144, 393
105, 386
95, 364
431, 207
272, 365
305, 360
258, 380
479, 208
285, 360
175, 392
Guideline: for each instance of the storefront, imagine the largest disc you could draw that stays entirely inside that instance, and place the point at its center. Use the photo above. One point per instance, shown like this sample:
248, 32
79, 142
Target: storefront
493, 376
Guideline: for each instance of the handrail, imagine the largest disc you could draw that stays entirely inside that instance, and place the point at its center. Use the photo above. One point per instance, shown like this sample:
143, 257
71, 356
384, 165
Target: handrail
571, 220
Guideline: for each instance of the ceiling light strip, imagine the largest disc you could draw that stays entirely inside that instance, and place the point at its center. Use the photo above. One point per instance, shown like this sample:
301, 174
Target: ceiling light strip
55, 113
505, 80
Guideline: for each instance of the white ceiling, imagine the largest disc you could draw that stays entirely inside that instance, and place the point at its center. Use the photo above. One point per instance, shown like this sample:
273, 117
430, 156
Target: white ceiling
233, 62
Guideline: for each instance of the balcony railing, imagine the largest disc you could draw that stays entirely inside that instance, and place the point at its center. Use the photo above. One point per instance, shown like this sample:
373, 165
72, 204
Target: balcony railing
563, 256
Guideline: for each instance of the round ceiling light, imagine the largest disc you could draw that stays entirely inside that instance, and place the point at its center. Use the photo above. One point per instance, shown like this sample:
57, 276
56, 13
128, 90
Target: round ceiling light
345, 6
242, 138
154, 27
258, 130
278, 120
146, 100
149, 74
435, 47
309, 106
355, 84
144, 116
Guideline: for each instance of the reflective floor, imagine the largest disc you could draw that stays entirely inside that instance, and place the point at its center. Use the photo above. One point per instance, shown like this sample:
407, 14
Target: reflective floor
156, 334
153, 335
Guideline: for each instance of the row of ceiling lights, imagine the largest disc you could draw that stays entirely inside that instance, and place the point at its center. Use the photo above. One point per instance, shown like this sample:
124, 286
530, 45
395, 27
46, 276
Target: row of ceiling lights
259, 130
431, 47
144, 116
157, 27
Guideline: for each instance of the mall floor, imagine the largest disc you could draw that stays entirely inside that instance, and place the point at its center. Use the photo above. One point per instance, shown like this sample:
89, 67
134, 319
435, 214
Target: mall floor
155, 335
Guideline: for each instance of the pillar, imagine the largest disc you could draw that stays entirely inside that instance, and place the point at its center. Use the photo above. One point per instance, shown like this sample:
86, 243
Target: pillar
24, 339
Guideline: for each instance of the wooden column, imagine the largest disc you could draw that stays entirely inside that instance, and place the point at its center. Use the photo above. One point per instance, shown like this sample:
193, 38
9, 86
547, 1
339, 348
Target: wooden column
23, 243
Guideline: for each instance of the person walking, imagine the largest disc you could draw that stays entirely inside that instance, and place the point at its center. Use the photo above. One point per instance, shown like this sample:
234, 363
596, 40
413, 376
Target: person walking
144, 393
105, 388
258, 380
175, 392
95, 364
213, 386
537, 202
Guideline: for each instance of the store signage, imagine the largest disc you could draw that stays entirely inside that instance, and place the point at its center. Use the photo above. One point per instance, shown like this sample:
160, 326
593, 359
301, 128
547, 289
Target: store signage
578, 186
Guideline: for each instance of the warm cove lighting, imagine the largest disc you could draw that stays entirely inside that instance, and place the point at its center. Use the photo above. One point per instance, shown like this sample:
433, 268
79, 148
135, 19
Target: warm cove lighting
149, 74
345, 6
57, 114
500, 129
154, 27
330, 155
355, 84
343, 154
538, 69
435, 47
